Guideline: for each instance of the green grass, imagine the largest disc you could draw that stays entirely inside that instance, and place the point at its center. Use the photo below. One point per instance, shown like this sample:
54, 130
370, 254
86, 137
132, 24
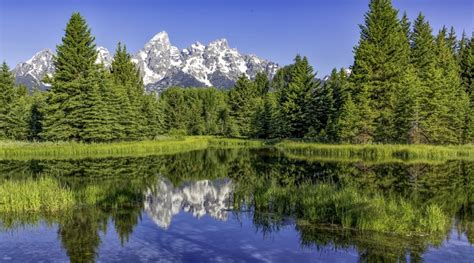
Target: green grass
376, 152
12, 150
34, 195
71, 150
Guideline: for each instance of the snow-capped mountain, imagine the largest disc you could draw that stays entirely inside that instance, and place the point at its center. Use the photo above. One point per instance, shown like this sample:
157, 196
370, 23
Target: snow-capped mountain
32, 72
199, 198
163, 65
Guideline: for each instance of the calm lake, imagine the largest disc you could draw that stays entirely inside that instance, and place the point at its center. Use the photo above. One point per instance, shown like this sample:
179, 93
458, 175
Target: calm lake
234, 205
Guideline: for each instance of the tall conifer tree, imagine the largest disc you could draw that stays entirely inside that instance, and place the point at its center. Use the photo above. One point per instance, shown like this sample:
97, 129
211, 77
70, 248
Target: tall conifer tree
69, 115
381, 58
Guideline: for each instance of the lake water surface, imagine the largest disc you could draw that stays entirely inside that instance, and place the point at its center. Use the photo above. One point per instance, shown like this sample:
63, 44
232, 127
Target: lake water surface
244, 205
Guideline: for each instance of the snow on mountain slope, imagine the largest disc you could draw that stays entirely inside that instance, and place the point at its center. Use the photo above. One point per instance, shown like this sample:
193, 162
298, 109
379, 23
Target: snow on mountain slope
163, 65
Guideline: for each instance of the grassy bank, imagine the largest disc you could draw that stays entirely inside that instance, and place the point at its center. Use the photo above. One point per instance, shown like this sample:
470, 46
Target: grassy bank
376, 152
11, 150
63, 150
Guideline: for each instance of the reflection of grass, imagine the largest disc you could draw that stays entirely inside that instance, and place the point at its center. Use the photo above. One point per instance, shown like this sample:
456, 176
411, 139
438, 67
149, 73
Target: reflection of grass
377, 152
41, 195
352, 208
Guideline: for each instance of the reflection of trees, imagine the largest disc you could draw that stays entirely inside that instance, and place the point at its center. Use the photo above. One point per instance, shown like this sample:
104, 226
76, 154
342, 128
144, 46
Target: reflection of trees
278, 191
396, 198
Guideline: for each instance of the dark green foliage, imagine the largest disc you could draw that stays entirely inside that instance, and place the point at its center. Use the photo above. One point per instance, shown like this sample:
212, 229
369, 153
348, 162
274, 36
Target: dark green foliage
195, 111
243, 102
7, 96
381, 59
75, 86
262, 83
129, 88
466, 64
297, 99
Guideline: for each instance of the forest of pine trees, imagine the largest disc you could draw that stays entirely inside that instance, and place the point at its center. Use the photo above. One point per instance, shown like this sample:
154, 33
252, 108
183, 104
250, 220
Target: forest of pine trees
407, 85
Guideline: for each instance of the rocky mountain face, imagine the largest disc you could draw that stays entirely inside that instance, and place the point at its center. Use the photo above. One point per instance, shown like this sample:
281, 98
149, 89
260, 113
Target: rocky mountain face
199, 198
31, 72
163, 65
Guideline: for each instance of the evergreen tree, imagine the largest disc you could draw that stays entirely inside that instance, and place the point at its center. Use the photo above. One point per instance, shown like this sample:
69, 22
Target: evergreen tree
7, 96
262, 83
69, 115
409, 110
381, 58
452, 40
423, 60
242, 105
38, 103
298, 99
451, 116
130, 92
175, 110
346, 123
17, 118
466, 64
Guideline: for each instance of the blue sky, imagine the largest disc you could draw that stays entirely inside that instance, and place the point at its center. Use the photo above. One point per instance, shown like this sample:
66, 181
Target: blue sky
325, 31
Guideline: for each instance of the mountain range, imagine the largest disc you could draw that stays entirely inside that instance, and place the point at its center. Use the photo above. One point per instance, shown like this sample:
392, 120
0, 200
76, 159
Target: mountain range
163, 65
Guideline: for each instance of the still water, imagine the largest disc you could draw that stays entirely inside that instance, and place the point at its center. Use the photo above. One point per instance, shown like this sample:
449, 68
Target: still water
242, 205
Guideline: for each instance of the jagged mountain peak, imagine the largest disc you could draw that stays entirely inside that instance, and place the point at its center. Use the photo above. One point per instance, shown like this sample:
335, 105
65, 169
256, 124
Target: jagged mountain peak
31, 72
220, 44
160, 37
163, 65
43, 55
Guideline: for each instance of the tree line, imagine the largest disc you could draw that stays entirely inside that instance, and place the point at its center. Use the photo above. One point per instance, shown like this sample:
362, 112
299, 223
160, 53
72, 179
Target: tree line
406, 85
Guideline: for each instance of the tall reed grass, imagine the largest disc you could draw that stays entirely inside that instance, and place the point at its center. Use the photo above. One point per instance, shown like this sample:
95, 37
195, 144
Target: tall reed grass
34, 195
377, 152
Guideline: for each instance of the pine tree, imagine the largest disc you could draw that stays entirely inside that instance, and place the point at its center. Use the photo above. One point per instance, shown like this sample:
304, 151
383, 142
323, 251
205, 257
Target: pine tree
174, 110
346, 123
423, 61
74, 85
152, 111
7, 96
409, 110
17, 118
242, 105
338, 86
262, 83
130, 89
97, 118
466, 64
381, 58
451, 116
451, 40
38, 103
298, 99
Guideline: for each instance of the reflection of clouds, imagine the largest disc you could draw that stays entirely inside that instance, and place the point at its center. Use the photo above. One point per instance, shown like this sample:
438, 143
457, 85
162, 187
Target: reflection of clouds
198, 198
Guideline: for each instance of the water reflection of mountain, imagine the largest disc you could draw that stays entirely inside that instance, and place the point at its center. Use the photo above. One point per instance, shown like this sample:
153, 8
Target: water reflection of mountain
199, 198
